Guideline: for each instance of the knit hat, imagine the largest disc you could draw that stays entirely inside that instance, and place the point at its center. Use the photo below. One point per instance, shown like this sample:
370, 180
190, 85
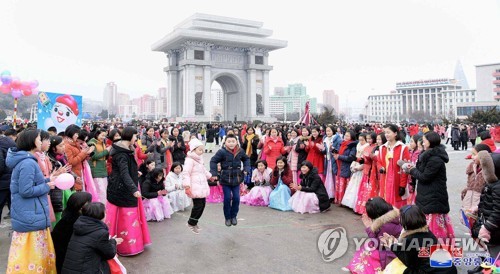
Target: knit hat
194, 143
488, 166
69, 101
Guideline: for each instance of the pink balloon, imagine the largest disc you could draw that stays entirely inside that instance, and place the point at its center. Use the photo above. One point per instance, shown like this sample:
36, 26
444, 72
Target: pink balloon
16, 93
25, 85
34, 84
65, 181
5, 89
27, 92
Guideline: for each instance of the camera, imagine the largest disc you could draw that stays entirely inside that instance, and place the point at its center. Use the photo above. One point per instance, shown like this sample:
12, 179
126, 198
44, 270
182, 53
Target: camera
335, 151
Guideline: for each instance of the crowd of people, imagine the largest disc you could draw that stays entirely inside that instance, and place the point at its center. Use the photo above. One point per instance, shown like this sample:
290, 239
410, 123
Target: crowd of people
126, 175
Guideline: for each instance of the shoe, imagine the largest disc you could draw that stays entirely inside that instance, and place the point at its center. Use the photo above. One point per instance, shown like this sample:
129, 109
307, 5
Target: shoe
205, 151
210, 151
228, 222
197, 227
194, 229
234, 221
477, 269
7, 217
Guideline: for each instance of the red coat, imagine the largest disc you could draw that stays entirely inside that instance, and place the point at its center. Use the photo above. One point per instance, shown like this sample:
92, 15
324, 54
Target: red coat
394, 176
314, 154
273, 150
139, 156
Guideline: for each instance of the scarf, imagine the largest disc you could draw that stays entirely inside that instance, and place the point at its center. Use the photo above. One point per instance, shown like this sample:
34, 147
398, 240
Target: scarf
249, 144
234, 151
343, 146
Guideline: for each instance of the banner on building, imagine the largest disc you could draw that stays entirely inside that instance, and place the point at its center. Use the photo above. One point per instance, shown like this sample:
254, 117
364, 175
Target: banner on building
59, 110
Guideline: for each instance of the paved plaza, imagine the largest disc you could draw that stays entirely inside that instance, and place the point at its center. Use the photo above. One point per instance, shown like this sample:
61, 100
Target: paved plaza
264, 241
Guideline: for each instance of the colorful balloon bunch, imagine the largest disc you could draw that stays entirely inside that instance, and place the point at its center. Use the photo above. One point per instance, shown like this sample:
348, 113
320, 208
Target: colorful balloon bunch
16, 87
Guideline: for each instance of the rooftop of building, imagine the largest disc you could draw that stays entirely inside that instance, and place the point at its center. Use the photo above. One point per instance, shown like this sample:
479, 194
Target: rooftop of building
488, 65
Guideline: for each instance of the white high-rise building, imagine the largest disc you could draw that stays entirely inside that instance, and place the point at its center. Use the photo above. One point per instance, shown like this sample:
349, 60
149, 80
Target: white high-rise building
217, 97
110, 98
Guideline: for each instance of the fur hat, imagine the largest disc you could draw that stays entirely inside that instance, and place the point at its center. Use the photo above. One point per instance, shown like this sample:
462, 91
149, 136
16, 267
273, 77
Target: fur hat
194, 143
487, 166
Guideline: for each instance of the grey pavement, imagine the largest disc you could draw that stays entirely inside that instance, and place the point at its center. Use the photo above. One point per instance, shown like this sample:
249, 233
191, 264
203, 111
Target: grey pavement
264, 241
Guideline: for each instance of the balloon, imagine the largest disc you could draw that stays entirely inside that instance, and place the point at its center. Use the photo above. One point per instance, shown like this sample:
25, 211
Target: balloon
5, 77
27, 92
5, 88
34, 91
65, 181
25, 85
16, 93
16, 83
34, 84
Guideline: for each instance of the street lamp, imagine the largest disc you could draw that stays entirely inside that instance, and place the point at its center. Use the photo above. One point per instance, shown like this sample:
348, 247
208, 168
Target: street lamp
455, 101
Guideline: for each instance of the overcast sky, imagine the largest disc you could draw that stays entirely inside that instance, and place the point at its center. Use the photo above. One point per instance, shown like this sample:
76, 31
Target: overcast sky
356, 48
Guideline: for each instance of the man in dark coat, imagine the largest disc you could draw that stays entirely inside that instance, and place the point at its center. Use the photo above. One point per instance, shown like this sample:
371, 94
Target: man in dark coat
6, 142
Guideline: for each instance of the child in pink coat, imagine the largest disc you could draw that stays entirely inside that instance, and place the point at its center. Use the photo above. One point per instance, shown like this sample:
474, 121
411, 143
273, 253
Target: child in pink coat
195, 178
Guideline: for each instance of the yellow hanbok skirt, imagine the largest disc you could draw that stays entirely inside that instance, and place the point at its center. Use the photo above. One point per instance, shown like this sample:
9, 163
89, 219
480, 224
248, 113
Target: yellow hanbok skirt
32, 252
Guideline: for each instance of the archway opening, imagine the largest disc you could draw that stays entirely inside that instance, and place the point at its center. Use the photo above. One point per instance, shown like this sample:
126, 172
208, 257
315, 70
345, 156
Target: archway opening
226, 91
217, 100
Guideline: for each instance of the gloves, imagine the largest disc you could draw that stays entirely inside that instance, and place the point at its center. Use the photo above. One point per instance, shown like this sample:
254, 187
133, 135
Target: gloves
402, 191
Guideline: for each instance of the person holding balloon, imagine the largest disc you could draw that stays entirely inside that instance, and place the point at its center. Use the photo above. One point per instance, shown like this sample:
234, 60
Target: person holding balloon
30, 208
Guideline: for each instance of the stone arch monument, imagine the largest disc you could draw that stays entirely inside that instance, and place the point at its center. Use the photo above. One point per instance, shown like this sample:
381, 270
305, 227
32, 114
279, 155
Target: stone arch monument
234, 52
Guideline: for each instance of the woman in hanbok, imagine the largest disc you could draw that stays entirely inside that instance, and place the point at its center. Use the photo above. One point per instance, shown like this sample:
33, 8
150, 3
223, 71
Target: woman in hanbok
314, 148
259, 194
310, 196
328, 149
351, 193
293, 155
393, 184
175, 190
366, 187
344, 157
156, 205
125, 214
416, 148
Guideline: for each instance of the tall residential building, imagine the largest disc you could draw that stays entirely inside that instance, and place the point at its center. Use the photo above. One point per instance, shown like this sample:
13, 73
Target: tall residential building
162, 101
436, 97
294, 99
162, 92
331, 99
217, 97
122, 99
488, 82
279, 91
110, 98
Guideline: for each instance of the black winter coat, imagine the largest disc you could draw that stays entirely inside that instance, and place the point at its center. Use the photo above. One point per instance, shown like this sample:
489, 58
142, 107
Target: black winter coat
178, 151
150, 188
89, 248
123, 180
210, 135
464, 136
231, 173
254, 143
61, 235
489, 210
301, 150
311, 182
455, 134
430, 173
408, 251
5, 172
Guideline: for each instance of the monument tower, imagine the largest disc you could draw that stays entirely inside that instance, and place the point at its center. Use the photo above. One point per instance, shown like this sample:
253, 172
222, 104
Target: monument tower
234, 52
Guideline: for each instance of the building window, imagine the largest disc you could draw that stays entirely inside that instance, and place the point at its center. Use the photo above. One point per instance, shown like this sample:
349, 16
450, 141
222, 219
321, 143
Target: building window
259, 60
199, 55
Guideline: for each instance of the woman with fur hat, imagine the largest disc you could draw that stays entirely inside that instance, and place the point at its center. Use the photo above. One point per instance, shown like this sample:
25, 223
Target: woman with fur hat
195, 178
380, 218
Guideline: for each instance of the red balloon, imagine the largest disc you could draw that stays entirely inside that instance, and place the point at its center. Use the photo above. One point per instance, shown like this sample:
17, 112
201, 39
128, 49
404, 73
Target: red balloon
5, 89
15, 84
27, 92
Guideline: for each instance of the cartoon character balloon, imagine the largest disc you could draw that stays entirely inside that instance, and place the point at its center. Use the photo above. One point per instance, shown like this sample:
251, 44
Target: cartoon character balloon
64, 113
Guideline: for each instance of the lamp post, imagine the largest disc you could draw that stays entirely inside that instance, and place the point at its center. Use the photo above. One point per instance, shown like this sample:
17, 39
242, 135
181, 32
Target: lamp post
455, 101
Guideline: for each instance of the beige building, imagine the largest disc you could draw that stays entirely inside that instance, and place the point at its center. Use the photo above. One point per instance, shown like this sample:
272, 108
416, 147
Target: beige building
488, 82
331, 99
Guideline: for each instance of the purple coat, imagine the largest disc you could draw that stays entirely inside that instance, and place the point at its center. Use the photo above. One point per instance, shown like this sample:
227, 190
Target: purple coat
387, 223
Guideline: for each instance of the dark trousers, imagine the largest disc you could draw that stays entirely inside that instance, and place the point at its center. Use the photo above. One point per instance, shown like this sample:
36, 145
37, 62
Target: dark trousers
456, 145
216, 139
231, 201
473, 141
197, 210
464, 145
447, 140
4, 200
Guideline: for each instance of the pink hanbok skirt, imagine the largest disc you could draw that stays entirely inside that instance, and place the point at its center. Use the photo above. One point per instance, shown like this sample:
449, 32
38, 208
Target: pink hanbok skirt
330, 181
216, 194
440, 225
365, 189
89, 182
258, 196
157, 209
128, 223
365, 261
304, 202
